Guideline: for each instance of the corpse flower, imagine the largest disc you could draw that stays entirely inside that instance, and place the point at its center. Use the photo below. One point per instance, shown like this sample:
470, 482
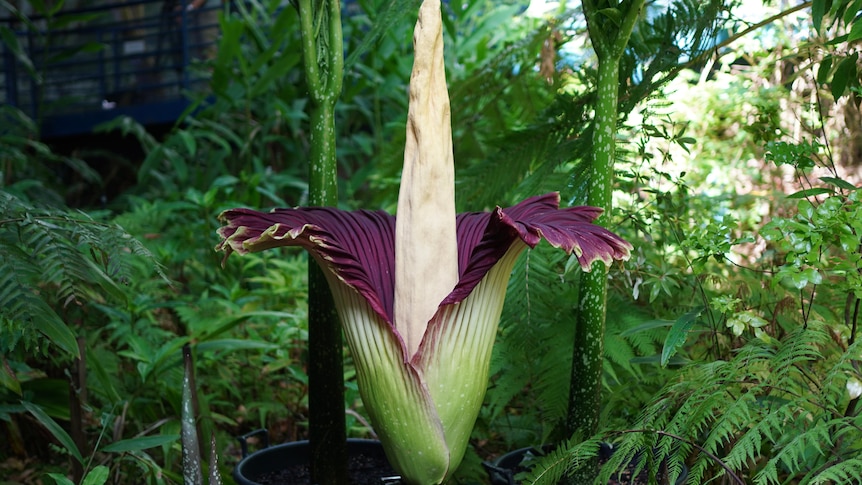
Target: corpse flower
419, 297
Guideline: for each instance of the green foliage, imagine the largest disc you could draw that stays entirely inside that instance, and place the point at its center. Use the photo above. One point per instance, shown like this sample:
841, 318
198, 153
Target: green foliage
57, 264
839, 20
750, 291
732, 335
96, 476
779, 409
249, 127
526, 403
560, 461
28, 166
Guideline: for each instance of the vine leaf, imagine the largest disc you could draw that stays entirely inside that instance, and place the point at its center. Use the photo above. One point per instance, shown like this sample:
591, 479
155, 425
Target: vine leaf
678, 333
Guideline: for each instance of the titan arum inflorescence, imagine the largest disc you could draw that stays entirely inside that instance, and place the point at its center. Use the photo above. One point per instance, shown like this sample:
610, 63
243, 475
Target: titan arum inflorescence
420, 296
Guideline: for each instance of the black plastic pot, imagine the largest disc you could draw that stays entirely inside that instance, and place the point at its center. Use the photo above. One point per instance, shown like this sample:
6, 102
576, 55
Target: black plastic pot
502, 471
271, 460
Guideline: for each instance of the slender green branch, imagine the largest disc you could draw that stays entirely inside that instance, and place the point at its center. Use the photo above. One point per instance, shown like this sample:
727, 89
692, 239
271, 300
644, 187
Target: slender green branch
626, 28
336, 41
309, 51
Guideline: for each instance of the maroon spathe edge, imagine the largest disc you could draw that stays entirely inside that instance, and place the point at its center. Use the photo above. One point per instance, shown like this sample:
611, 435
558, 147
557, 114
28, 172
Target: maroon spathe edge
358, 246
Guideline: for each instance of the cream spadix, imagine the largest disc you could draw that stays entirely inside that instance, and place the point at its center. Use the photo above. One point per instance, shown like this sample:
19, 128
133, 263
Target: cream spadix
426, 256
420, 299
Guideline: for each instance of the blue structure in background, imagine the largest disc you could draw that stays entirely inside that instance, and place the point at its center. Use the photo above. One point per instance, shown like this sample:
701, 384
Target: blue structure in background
90, 65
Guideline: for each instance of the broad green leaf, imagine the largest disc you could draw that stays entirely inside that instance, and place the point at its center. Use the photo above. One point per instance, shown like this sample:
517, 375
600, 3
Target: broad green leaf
96, 476
852, 12
824, 69
70, 52
226, 323
39, 7
855, 32
274, 72
105, 383
50, 395
8, 379
678, 333
233, 345
809, 192
189, 141
60, 479
840, 183
844, 75
142, 443
54, 428
818, 9
10, 41
151, 163
60, 334
64, 21
648, 325
55, 8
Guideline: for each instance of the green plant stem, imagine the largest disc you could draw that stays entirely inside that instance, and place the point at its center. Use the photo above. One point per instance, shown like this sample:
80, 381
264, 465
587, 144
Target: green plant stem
327, 429
588, 350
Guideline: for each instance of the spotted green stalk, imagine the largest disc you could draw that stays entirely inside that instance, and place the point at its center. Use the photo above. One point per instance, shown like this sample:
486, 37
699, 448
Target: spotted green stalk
609, 42
320, 23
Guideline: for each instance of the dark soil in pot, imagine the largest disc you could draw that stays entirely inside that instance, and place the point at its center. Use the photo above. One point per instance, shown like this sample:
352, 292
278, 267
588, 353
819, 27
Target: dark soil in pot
362, 469
288, 464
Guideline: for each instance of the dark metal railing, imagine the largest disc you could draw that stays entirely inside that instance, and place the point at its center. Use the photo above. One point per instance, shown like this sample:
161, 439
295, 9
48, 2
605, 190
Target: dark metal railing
114, 57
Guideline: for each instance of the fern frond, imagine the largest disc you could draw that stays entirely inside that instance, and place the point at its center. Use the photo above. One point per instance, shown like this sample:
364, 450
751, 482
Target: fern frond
22, 311
563, 460
60, 262
847, 471
799, 450
775, 412
54, 260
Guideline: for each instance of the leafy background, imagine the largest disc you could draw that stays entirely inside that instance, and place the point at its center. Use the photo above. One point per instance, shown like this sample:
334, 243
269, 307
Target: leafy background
731, 339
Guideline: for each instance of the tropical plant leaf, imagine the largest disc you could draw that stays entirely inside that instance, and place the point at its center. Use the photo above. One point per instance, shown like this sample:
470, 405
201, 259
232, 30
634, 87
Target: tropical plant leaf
20, 302
678, 332
97, 476
58, 432
140, 443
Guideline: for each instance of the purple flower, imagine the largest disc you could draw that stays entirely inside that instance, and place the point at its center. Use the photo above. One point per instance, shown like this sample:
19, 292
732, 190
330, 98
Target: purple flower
419, 300
423, 404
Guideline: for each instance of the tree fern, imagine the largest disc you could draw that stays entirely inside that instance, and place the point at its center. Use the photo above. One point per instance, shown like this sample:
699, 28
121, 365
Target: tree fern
777, 411
54, 262
21, 308
751, 415
561, 461
529, 400
847, 471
